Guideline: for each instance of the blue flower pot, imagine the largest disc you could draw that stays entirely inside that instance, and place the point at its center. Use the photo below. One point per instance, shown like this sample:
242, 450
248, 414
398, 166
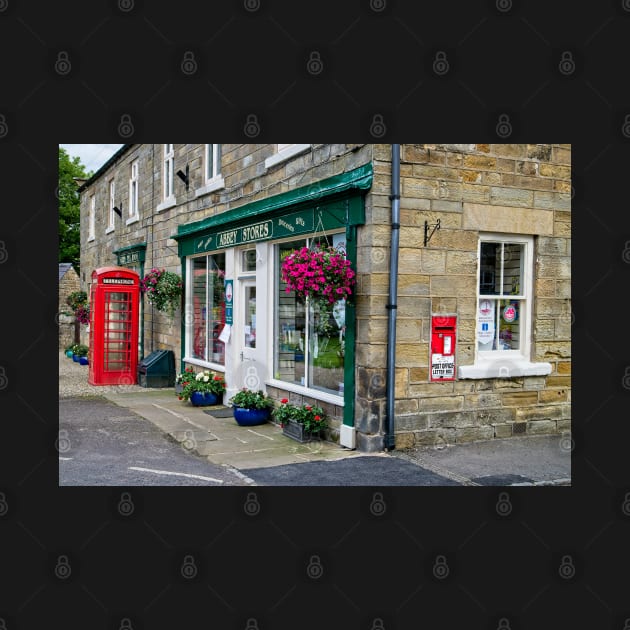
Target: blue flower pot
75, 358
83, 360
203, 399
251, 417
69, 354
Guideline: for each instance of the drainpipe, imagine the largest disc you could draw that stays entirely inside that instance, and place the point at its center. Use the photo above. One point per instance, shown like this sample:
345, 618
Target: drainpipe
389, 442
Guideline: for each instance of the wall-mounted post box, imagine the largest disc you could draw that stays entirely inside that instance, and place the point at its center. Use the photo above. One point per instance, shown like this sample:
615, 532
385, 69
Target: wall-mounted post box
114, 304
443, 338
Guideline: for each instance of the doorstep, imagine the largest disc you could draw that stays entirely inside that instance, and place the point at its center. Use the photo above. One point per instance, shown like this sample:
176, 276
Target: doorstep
222, 440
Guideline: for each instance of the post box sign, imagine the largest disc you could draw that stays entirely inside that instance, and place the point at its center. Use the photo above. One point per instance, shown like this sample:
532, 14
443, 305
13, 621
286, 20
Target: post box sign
443, 336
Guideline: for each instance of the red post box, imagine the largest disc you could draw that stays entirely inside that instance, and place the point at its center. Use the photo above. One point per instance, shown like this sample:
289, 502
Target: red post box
443, 334
114, 303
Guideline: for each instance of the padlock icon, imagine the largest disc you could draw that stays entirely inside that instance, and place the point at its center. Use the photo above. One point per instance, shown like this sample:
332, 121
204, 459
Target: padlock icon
4, 381
567, 64
189, 568
504, 5
189, 442
504, 505
62, 443
440, 568
125, 505
4, 506
125, 5
625, 506
504, 624
314, 64
440, 63
62, 568
626, 253
378, 624
251, 378
504, 126
4, 128
251, 5
314, 570
251, 506
567, 443
4, 5
125, 127
378, 5
3, 623
626, 379
378, 128
566, 568
251, 624
377, 506
125, 624
251, 128
63, 65
625, 128
189, 64
626, 625
440, 443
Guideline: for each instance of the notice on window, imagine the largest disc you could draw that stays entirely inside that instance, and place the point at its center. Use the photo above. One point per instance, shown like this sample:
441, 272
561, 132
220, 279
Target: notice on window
485, 321
442, 367
225, 333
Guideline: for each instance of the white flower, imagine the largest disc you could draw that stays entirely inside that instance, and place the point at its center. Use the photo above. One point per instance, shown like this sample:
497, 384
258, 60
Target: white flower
206, 378
199, 376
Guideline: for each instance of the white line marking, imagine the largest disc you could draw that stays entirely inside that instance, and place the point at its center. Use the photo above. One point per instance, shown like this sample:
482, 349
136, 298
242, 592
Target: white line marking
66, 459
261, 435
240, 475
176, 474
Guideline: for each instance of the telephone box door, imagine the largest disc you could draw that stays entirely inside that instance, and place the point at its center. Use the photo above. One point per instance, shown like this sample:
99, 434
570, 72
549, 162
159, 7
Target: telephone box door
114, 327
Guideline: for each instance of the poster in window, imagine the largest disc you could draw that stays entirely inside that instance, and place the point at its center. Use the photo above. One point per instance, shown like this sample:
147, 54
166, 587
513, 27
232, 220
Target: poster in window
485, 322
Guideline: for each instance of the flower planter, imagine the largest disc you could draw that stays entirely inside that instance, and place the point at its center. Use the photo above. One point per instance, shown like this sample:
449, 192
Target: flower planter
250, 417
83, 361
203, 399
295, 430
75, 358
69, 354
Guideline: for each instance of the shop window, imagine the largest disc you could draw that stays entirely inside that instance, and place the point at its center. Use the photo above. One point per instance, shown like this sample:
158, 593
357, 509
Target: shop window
310, 335
92, 218
205, 309
111, 214
504, 307
133, 193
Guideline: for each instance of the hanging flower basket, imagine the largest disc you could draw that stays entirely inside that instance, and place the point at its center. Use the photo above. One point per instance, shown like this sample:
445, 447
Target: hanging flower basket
163, 289
321, 273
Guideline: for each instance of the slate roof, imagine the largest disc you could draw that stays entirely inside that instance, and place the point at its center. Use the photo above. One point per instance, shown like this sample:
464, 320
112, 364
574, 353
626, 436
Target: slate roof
63, 268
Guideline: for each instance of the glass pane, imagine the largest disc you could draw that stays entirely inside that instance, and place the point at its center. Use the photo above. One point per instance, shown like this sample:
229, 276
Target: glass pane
490, 268
250, 317
210, 162
249, 260
199, 308
327, 325
216, 307
290, 326
513, 268
509, 325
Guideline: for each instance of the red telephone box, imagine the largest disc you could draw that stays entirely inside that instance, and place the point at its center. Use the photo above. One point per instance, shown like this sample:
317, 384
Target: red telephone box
114, 303
443, 330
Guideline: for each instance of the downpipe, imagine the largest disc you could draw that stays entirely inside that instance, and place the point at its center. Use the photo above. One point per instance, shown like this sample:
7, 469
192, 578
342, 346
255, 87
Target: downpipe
389, 442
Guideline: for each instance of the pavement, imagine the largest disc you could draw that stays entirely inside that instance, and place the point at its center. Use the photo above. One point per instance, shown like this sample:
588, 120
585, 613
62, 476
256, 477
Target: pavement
264, 456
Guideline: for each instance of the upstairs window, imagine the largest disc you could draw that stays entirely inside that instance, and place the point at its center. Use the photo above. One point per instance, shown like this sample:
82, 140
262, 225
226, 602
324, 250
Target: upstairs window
111, 214
133, 193
169, 163
91, 218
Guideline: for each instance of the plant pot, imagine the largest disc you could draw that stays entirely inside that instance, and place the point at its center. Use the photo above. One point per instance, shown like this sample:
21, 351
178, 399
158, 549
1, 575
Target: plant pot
75, 358
295, 431
69, 354
203, 399
250, 417
83, 361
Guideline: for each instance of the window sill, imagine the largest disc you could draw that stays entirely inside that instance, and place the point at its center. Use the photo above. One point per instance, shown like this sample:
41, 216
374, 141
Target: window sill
133, 219
91, 238
213, 184
503, 368
109, 230
169, 202
286, 154
217, 367
317, 394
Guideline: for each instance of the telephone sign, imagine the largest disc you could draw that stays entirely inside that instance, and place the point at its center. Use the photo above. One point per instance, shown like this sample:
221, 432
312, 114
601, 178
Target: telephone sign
229, 301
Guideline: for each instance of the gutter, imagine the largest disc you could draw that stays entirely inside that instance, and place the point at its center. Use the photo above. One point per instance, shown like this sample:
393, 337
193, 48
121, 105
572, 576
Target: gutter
389, 441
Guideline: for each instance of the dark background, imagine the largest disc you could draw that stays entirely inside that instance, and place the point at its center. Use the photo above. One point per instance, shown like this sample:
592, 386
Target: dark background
379, 70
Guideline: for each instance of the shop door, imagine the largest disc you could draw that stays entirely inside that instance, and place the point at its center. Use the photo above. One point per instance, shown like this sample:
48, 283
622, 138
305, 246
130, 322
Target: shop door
246, 329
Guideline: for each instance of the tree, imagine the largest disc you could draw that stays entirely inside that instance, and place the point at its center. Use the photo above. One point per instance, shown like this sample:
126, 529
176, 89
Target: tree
69, 208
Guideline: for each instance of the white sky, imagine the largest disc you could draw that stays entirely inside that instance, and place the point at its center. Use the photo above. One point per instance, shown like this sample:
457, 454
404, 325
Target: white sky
92, 156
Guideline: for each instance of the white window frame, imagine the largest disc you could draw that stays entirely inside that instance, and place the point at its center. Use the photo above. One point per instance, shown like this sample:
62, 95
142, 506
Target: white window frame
111, 214
134, 184
168, 178
508, 363
285, 152
213, 179
92, 218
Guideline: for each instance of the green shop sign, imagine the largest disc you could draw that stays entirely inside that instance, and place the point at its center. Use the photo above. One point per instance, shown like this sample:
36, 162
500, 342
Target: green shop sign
131, 255
278, 227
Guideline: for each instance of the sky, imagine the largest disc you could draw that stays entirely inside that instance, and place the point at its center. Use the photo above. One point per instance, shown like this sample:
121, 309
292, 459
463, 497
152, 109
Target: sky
92, 156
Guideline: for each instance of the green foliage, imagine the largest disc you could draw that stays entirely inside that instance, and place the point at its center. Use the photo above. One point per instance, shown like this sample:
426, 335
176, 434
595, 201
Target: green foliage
250, 399
206, 381
312, 417
69, 208
80, 350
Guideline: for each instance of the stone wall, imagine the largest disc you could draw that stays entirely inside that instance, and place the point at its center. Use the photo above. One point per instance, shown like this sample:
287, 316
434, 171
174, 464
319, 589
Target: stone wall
68, 329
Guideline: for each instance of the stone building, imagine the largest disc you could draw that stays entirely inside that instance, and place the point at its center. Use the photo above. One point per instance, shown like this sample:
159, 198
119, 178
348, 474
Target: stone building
459, 327
68, 326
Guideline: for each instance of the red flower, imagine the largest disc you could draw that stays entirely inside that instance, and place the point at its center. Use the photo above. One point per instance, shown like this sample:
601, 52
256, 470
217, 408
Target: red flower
308, 407
317, 418
284, 401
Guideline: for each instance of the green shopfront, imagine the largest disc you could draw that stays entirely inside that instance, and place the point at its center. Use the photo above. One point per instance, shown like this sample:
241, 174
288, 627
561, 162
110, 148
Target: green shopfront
238, 316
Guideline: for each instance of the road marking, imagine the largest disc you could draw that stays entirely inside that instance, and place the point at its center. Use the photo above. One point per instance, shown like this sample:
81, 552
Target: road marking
175, 474
66, 459
260, 434
240, 475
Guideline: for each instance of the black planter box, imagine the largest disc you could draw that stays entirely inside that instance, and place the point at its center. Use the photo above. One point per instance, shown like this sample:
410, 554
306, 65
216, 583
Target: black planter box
295, 431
